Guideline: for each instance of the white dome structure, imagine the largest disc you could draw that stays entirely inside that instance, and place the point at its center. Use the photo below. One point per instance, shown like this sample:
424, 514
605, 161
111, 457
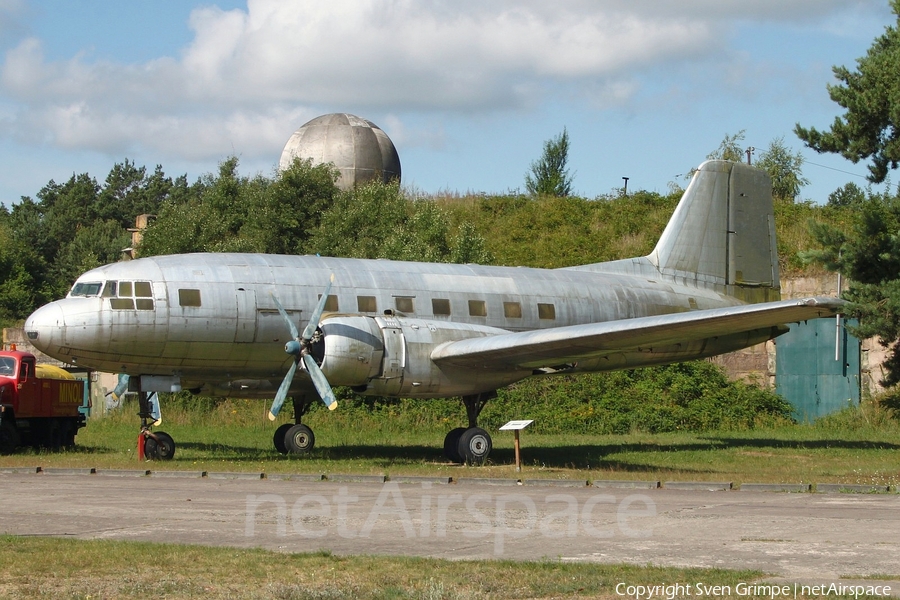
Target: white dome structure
359, 149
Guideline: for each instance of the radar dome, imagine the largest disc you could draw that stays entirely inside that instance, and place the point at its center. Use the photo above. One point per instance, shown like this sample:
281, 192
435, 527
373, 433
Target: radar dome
359, 149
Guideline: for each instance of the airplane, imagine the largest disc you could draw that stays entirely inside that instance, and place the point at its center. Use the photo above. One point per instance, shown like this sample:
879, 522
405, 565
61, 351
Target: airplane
228, 324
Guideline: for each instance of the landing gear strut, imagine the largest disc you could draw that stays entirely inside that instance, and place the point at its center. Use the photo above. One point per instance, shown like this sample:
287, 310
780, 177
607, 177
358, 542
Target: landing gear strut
297, 438
470, 445
152, 445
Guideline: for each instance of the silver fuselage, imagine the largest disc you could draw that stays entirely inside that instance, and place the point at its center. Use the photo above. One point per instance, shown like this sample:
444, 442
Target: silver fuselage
230, 338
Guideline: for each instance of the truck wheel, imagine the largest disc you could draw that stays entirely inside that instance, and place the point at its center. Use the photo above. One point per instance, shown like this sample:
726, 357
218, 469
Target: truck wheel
163, 449
9, 438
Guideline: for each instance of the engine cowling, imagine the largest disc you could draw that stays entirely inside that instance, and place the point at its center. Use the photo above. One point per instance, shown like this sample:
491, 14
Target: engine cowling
391, 356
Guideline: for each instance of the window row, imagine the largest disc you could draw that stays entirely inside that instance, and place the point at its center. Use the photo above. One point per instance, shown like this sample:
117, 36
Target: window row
441, 306
129, 295
364, 304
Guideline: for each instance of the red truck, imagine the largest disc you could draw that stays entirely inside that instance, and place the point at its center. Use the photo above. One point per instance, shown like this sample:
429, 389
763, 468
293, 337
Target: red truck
39, 404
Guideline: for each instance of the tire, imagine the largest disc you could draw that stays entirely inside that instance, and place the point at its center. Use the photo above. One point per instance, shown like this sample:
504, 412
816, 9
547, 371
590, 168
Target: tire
451, 444
299, 439
280, 438
161, 448
53, 437
9, 438
475, 446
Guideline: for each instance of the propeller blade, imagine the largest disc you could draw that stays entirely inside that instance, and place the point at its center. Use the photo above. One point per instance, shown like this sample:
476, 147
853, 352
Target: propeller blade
320, 381
282, 393
294, 333
317, 314
296, 347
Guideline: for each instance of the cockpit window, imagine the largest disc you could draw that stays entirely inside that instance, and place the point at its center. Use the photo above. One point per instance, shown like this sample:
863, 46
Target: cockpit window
129, 295
85, 288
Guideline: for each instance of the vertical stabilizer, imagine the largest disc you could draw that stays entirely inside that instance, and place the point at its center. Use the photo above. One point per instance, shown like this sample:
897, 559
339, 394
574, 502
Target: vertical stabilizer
722, 234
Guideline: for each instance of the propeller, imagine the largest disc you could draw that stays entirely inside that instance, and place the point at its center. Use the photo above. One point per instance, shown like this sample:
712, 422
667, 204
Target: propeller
299, 348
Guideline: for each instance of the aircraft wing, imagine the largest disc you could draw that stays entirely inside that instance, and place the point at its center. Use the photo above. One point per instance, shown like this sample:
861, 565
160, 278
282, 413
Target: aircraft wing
546, 347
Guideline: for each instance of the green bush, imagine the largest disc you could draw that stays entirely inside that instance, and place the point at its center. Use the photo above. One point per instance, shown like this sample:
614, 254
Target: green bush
695, 396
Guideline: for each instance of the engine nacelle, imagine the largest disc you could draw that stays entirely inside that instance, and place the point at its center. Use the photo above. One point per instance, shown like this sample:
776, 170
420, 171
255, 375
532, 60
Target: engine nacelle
391, 356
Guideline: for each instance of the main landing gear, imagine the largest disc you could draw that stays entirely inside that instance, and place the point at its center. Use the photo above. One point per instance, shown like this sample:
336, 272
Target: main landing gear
152, 445
470, 445
297, 438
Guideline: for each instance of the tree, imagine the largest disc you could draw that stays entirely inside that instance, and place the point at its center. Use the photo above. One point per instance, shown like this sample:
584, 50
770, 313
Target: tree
785, 169
729, 149
848, 195
870, 127
869, 255
228, 212
549, 175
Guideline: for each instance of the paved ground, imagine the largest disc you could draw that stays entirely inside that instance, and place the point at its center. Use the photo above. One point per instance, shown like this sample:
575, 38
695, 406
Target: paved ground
800, 537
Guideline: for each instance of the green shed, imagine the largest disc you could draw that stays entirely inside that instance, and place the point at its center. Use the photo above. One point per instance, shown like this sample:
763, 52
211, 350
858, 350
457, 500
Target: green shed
817, 368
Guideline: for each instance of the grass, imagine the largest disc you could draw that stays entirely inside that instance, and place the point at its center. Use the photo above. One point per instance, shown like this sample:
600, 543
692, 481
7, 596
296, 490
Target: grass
855, 447
108, 569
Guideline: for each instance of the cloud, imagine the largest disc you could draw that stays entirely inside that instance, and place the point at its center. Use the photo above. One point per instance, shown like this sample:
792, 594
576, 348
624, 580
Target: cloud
248, 77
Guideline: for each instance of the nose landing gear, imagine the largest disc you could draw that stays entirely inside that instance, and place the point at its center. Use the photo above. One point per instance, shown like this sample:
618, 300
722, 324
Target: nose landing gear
152, 445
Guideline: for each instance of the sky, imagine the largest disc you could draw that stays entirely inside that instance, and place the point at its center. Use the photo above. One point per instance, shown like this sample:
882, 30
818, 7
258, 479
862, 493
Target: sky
468, 90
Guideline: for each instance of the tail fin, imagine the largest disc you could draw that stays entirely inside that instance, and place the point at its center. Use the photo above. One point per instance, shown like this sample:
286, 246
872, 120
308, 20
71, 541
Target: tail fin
721, 236
722, 233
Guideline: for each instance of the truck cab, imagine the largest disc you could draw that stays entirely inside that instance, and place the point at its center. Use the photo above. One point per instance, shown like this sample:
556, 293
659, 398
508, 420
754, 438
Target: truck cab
37, 408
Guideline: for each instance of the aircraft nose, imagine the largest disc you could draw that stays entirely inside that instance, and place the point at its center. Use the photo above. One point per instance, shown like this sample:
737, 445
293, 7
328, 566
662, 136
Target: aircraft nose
43, 328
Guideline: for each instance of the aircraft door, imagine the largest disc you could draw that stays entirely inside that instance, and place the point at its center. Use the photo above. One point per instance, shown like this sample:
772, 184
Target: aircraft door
394, 353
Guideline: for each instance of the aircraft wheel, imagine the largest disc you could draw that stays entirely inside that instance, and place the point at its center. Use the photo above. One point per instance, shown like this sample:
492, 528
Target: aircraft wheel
451, 444
300, 439
162, 448
9, 438
475, 446
279, 438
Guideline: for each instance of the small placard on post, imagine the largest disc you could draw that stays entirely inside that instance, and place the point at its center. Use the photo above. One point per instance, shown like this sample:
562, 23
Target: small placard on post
517, 426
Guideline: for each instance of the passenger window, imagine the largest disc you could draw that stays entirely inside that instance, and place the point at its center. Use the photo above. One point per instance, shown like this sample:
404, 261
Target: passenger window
546, 311
477, 308
189, 297
512, 310
366, 304
404, 304
331, 303
125, 289
440, 306
142, 289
